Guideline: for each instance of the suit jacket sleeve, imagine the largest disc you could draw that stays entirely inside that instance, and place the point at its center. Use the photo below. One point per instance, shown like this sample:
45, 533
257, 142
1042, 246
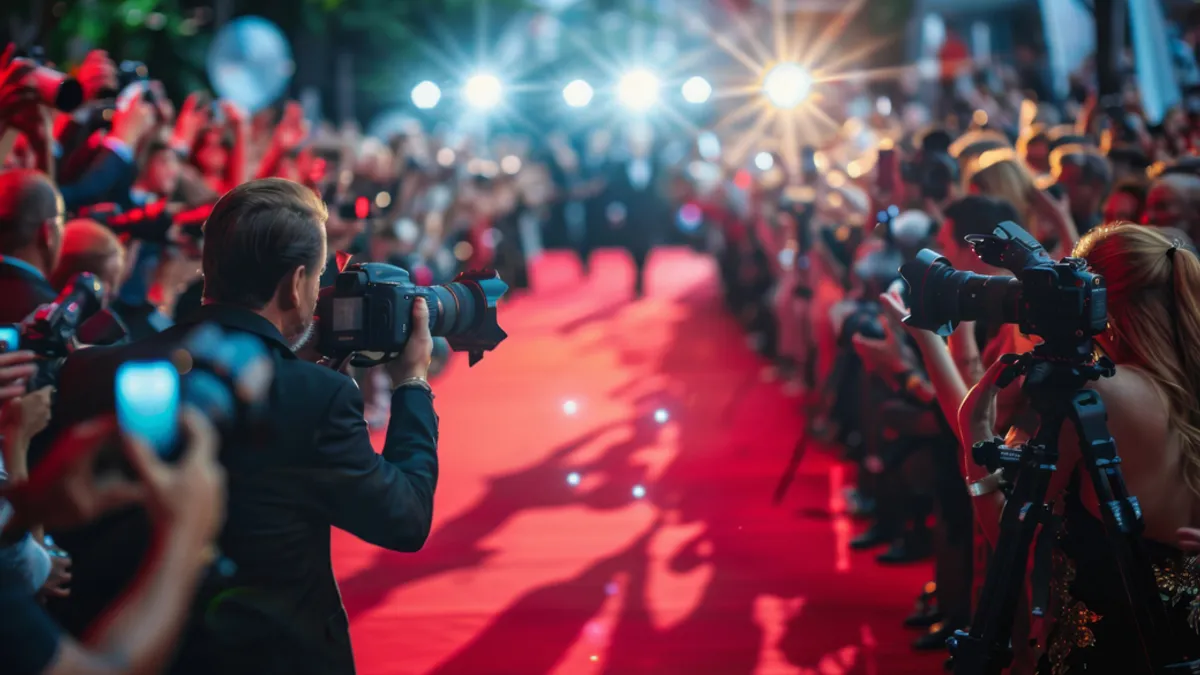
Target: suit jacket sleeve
386, 499
108, 173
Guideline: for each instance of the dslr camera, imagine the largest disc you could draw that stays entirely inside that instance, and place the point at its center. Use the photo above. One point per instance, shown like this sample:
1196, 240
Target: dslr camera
55, 90
1061, 302
53, 330
364, 316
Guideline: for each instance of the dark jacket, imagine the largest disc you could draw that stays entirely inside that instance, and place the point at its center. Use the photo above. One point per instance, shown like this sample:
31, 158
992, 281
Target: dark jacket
21, 292
280, 611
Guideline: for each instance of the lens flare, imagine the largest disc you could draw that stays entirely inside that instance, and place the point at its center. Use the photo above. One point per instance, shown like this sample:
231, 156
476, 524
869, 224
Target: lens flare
787, 85
638, 90
483, 91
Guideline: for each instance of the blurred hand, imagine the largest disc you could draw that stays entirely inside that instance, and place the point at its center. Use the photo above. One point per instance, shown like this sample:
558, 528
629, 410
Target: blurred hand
418, 353
27, 415
186, 499
896, 312
1056, 211
64, 490
234, 115
882, 357
16, 368
191, 119
97, 74
132, 123
16, 88
60, 576
293, 129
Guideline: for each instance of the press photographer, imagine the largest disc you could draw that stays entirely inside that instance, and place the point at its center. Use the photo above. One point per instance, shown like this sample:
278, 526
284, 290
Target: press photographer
1118, 568
311, 467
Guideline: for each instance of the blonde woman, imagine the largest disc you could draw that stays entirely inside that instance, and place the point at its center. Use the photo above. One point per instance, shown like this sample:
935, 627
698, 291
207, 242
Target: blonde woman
1153, 414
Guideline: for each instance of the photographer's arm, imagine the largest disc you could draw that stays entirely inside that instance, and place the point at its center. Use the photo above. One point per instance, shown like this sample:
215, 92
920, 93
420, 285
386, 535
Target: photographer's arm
386, 499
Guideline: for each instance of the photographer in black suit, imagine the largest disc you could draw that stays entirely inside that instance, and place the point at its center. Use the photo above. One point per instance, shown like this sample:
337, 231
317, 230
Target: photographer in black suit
313, 468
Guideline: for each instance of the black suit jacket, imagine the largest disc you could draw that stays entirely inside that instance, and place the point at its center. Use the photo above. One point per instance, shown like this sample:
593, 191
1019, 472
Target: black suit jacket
22, 292
280, 611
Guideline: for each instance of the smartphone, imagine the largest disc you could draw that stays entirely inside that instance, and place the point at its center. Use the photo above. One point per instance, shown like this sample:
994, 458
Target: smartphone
148, 403
10, 339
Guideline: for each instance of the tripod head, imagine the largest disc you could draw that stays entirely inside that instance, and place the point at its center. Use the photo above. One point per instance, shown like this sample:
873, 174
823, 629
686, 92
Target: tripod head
1051, 384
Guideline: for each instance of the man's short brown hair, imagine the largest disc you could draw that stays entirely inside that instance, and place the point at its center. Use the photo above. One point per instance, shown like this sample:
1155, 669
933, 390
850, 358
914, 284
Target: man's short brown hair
257, 234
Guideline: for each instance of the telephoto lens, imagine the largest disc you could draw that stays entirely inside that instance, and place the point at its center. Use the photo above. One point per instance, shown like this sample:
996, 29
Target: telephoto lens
55, 90
940, 297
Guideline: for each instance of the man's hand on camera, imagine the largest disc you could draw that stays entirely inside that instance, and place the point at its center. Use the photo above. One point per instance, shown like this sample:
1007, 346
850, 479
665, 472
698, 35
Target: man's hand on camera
186, 499
16, 368
418, 353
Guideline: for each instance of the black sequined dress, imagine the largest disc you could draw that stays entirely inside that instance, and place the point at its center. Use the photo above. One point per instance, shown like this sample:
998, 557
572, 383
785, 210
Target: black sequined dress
1094, 630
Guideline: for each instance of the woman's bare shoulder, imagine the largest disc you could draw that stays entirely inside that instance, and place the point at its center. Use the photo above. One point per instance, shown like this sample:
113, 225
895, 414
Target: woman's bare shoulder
1132, 395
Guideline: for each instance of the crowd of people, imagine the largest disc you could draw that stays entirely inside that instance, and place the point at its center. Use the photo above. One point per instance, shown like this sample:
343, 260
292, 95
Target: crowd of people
810, 262
113, 560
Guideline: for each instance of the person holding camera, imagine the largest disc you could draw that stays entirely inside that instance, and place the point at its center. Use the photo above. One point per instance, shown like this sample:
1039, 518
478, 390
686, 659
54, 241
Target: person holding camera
185, 507
1154, 416
311, 469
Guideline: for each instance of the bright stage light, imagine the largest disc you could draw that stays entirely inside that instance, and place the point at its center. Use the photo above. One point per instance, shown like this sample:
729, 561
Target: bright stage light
638, 90
578, 94
426, 95
764, 161
697, 90
483, 91
787, 85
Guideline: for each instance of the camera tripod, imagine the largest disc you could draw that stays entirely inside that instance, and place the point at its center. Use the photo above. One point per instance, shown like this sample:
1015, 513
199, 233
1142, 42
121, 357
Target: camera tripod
1056, 391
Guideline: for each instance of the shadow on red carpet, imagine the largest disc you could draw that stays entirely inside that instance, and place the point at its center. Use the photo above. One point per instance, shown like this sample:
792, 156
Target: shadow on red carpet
637, 534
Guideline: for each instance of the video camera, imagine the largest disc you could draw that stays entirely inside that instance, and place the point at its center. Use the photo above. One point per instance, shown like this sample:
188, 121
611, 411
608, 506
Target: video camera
55, 89
364, 316
53, 330
1061, 302
226, 376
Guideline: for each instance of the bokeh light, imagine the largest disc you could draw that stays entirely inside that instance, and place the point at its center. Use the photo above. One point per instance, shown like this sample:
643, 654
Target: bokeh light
697, 90
483, 91
787, 85
638, 90
426, 95
578, 94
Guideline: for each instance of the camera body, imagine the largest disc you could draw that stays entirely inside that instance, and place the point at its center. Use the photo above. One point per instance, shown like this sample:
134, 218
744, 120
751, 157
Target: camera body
1059, 301
51, 331
365, 314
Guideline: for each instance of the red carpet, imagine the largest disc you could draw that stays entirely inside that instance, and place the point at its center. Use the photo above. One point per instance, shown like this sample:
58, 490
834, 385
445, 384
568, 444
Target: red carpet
526, 574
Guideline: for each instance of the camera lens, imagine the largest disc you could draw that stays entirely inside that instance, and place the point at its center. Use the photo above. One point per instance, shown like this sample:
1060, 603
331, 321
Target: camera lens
457, 309
940, 297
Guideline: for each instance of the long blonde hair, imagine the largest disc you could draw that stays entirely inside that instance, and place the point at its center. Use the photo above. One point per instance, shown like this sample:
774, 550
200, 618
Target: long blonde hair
1154, 319
998, 173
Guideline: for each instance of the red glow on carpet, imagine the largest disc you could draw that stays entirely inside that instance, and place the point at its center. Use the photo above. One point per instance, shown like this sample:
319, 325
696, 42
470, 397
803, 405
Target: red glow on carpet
530, 571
